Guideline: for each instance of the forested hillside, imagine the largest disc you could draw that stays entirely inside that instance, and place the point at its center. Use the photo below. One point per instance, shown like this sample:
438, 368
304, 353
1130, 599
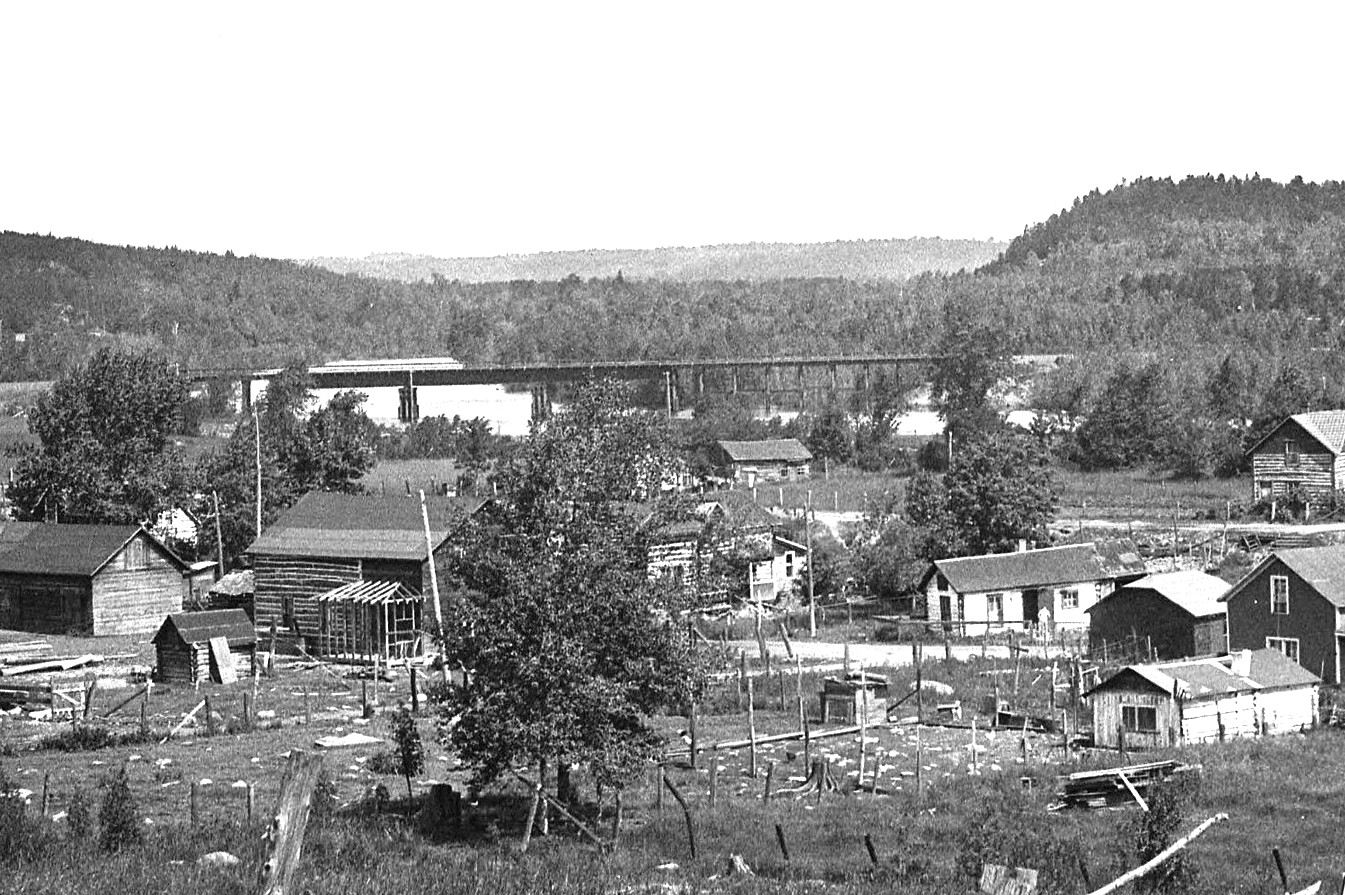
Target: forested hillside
1188, 273
867, 259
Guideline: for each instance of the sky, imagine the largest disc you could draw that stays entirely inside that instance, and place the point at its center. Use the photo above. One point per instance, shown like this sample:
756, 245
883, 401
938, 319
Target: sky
299, 130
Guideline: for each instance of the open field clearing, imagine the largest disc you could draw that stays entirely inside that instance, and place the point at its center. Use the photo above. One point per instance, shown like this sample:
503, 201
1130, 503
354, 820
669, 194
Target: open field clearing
975, 801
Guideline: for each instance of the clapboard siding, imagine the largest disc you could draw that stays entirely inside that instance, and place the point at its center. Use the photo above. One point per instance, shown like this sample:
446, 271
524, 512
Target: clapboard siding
1107, 719
135, 600
1312, 619
302, 579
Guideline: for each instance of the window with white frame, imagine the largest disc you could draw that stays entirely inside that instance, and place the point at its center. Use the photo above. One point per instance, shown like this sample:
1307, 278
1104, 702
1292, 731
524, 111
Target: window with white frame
1279, 594
1286, 645
994, 607
1139, 718
789, 563
1069, 598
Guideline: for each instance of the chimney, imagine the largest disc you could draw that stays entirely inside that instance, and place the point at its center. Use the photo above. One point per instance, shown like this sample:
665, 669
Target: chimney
1241, 663
1022, 545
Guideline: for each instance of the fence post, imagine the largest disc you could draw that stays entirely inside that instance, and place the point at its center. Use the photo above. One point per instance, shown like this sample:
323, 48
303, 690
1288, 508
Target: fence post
195, 803
251, 802
291, 817
209, 719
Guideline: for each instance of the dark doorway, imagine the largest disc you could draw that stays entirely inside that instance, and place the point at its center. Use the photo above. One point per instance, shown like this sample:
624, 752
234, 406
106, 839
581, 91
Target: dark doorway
1031, 606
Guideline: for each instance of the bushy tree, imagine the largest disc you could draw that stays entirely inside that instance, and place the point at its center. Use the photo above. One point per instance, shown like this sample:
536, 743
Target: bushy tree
118, 819
1000, 490
1130, 424
572, 648
105, 452
976, 354
301, 450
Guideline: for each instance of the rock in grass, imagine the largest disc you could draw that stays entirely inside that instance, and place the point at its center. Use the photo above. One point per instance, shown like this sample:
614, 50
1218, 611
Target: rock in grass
219, 859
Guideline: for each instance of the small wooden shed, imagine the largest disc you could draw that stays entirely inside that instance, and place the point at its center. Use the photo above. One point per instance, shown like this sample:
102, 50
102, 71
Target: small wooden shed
1248, 693
216, 645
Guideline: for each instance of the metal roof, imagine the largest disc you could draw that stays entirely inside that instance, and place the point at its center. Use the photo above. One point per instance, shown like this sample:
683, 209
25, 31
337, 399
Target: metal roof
367, 526
1204, 678
370, 592
787, 449
1327, 426
198, 627
39, 548
1070, 564
1195, 592
1323, 568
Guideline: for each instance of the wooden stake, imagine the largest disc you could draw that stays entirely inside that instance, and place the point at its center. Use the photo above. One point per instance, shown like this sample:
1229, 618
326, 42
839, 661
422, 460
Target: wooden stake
532, 813
691, 725
251, 802
751, 731
308, 711
209, 719
770, 773
780, 838
863, 722
919, 758
780, 680
195, 803
686, 813
415, 692
714, 777
873, 853
46, 792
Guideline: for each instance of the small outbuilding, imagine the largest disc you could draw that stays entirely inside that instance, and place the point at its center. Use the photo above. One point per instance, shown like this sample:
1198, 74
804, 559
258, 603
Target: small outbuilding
1168, 615
768, 460
1247, 693
1305, 452
217, 645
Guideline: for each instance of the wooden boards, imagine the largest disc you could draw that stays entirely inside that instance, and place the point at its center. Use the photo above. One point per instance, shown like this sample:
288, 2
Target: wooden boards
223, 661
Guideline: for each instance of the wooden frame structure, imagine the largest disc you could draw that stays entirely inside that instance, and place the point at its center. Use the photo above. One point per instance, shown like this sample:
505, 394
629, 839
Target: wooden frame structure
364, 619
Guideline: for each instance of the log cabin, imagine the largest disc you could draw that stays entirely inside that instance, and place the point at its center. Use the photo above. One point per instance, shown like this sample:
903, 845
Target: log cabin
183, 646
1247, 693
329, 540
87, 580
1305, 452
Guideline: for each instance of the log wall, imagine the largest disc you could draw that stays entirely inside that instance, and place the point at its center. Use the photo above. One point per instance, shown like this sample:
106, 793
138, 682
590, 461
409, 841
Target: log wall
302, 579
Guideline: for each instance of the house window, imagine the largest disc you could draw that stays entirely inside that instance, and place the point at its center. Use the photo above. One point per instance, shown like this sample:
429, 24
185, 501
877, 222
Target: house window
1069, 598
994, 607
1279, 594
287, 620
789, 563
1286, 645
1139, 718
1290, 452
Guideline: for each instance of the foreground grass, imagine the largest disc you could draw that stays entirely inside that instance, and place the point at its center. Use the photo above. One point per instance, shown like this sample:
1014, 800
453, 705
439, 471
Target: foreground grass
1283, 792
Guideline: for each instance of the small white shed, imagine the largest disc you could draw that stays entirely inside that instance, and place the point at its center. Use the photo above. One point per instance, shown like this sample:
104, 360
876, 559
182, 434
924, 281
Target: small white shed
1248, 693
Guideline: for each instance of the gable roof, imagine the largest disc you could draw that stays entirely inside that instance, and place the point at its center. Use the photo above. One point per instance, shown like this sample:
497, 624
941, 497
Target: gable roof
1031, 568
198, 627
1194, 592
787, 449
1204, 678
1322, 568
1327, 426
367, 526
42, 548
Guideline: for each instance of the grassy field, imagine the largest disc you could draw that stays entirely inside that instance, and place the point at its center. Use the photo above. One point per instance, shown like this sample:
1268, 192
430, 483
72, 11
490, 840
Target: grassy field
1278, 792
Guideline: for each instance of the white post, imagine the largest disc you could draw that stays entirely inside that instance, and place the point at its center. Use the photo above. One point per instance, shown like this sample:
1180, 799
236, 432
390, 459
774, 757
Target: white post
434, 579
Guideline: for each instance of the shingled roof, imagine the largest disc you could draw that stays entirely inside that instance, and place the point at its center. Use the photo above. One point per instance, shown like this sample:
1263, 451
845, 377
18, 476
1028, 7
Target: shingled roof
1327, 426
330, 524
1323, 568
1204, 678
1193, 591
40, 548
1034, 568
199, 627
790, 450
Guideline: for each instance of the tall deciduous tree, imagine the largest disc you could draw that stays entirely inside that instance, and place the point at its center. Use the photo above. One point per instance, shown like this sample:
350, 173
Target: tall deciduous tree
104, 452
299, 450
1000, 490
572, 648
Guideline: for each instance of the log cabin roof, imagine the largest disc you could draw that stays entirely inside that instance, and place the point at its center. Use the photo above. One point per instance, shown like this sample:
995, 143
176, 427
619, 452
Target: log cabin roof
1244, 671
789, 450
41, 548
199, 627
365, 526
1321, 568
1326, 426
1194, 592
1071, 564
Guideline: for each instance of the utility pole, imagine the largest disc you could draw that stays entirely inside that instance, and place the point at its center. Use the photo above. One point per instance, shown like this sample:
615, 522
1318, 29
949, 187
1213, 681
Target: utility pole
257, 439
434, 581
808, 543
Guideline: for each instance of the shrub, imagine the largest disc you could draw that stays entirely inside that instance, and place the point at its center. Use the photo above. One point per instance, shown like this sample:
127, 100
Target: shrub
324, 801
119, 827
79, 816
1154, 830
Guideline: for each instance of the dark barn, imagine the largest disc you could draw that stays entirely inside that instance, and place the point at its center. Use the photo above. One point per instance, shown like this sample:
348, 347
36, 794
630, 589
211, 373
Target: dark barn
216, 645
1176, 614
